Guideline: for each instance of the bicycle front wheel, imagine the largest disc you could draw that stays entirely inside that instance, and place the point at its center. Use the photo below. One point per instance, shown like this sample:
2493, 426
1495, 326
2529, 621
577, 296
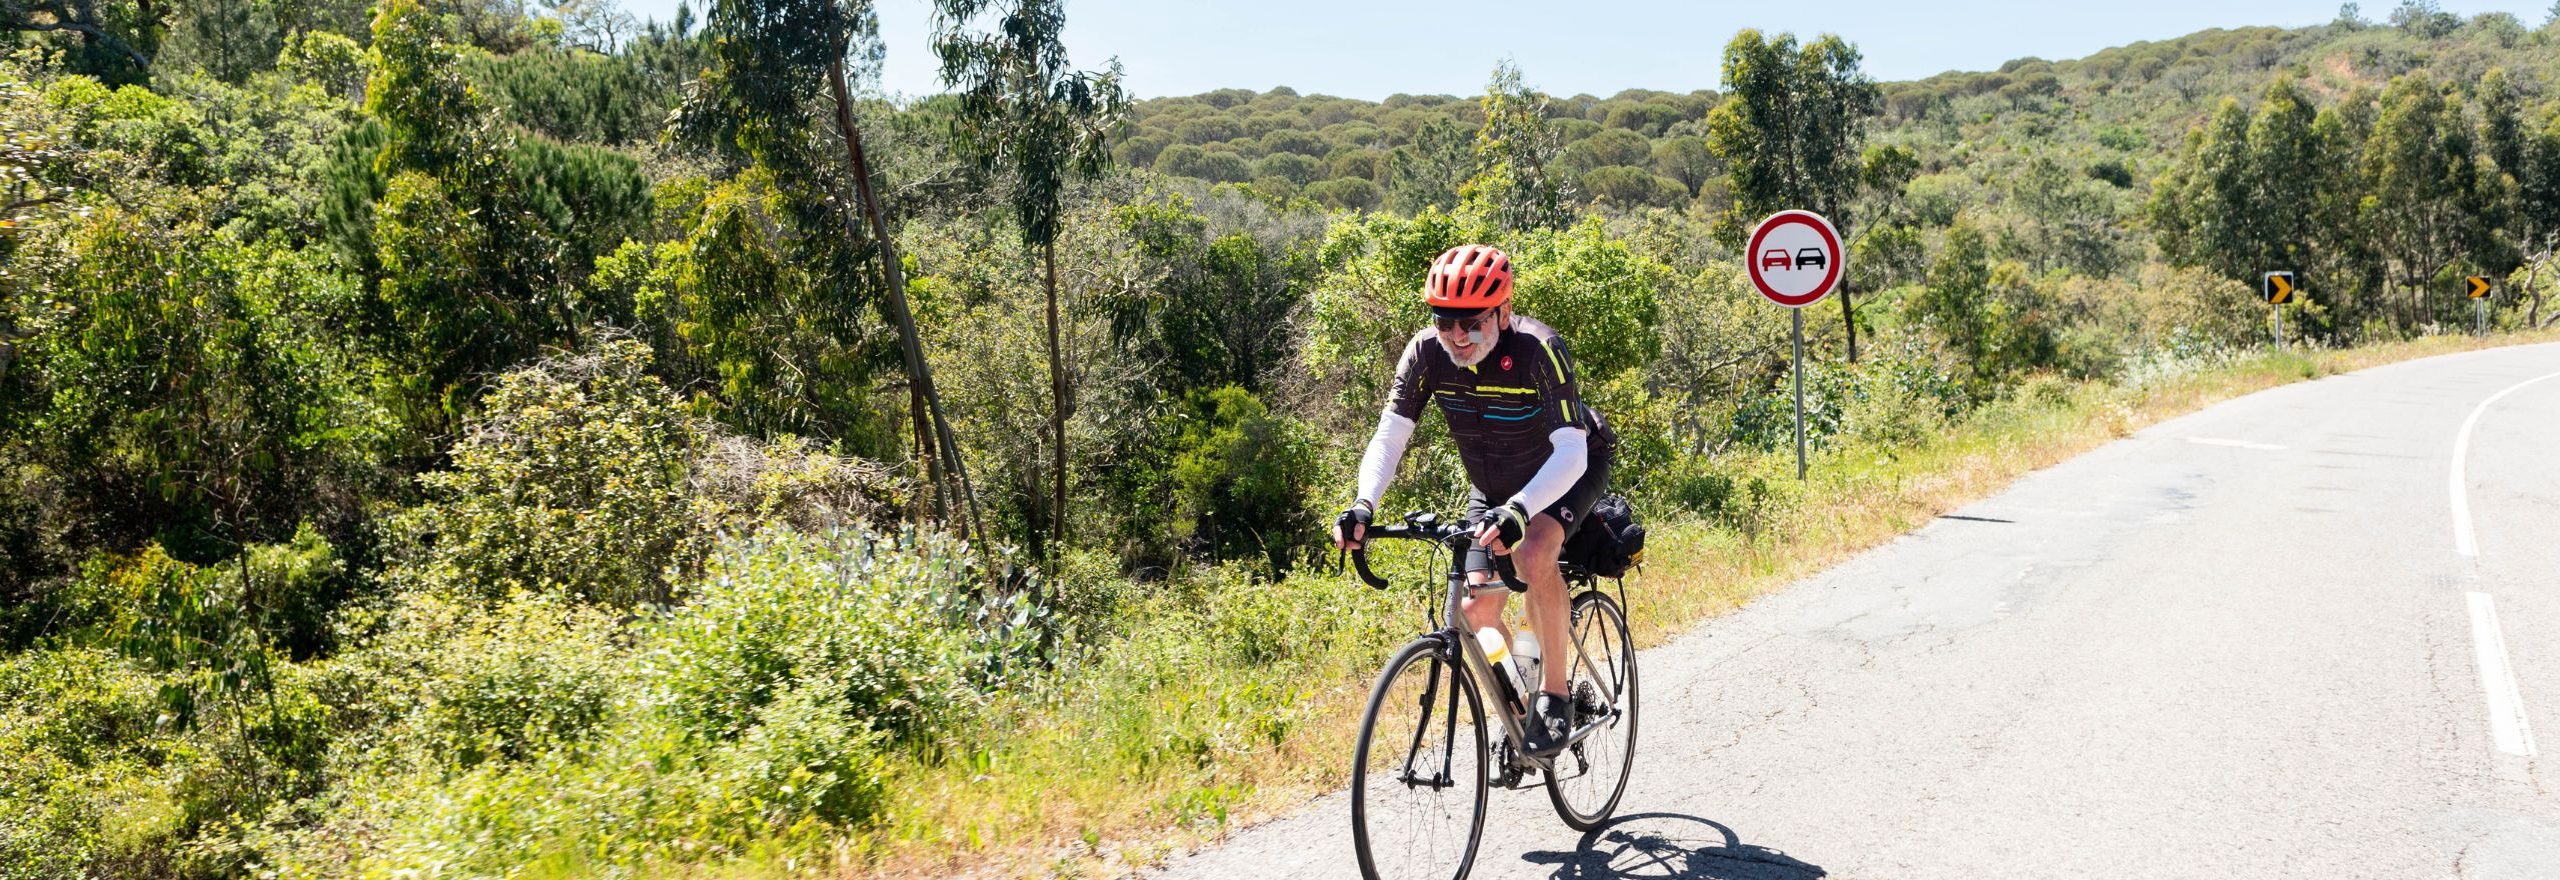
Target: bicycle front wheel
1418, 775
1591, 775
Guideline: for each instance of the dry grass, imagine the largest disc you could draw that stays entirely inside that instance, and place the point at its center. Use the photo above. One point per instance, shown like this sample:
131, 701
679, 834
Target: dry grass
1043, 801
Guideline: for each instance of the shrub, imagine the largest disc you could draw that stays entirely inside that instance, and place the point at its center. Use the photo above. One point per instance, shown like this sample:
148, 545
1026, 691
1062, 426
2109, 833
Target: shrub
875, 618
652, 795
573, 482
1239, 478
452, 684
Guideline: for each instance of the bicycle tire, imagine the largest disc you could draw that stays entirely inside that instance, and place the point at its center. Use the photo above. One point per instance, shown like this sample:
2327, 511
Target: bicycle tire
1597, 625
1446, 691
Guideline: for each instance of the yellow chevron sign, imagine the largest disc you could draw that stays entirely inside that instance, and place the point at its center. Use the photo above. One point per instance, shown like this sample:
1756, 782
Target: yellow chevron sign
2278, 287
2479, 287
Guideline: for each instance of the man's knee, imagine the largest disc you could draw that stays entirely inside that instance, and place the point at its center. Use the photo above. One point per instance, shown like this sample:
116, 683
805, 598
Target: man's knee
1542, 543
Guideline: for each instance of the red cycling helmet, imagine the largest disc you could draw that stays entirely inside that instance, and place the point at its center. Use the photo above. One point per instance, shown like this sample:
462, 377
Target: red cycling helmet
1468, 277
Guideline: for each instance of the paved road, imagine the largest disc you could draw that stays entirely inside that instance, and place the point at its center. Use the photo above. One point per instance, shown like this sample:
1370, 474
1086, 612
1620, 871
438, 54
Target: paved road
2243, 643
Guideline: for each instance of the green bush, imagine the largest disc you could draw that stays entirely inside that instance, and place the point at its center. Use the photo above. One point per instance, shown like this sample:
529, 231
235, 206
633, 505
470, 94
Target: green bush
1240, 479
574, 481
651, 795
851, 607
450, 683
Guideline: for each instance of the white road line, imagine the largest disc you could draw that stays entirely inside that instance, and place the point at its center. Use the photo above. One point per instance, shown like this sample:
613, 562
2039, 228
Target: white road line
2236, 444
2463, 542
2506, 704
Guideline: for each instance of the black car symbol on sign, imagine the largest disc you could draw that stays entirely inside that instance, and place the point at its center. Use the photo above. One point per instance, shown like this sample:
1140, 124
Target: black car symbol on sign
1810, 258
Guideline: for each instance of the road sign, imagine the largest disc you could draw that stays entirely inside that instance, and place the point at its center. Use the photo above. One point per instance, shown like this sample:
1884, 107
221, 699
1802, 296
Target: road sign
1794, 258
2278, 287
2479, 287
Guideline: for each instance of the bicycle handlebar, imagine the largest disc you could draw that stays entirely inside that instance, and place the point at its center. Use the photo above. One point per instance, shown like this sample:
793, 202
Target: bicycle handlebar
1422, 527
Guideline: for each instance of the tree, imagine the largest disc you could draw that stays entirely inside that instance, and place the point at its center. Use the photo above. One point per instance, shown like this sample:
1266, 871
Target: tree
1022, 111
1687, 160
1792, 132
1957, 302
1427, 172
116, 45
473, 240
2424, 19
2424, 197
769, 56
1514, 152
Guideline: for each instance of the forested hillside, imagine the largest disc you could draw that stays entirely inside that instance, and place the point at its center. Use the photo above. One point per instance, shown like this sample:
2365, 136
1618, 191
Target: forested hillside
482, 437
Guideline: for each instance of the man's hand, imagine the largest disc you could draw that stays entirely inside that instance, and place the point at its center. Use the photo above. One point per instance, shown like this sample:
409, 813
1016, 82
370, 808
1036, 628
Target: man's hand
1499, 529
1351, 527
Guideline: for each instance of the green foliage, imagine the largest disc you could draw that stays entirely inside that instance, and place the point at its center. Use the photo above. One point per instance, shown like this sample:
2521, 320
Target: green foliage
1596, 292
332, 61
744, 319
1513, 181
182, 387
574, 482
1238, 476
1793, 135
576, 96
479, 237
460, 682
867, 619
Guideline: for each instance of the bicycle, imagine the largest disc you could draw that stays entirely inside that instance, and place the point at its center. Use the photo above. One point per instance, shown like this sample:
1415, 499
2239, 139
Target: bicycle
1423, 735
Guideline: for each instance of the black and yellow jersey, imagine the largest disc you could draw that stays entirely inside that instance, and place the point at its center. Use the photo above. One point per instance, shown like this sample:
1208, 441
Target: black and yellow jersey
1501, 410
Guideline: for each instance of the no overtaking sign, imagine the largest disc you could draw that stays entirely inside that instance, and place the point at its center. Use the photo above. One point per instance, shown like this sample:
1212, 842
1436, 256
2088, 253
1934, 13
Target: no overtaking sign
1794, 258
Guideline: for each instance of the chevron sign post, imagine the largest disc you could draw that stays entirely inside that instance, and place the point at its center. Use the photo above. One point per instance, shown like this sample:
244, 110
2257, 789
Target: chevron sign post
2278, 288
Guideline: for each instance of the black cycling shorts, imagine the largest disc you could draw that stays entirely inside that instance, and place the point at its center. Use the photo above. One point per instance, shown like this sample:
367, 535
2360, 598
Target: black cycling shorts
1568, 511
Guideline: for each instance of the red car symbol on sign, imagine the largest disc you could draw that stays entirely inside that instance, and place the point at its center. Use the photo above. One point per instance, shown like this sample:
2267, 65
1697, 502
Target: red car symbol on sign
1776, 258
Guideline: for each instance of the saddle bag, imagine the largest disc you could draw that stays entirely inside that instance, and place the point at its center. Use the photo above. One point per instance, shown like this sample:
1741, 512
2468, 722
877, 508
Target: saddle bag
1610, 541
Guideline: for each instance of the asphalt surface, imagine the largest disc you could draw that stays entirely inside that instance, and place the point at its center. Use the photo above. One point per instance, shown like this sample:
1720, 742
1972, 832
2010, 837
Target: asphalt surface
2242, 643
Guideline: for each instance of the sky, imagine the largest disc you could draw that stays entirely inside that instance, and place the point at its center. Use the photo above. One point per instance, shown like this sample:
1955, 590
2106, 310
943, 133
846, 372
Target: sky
1372, 49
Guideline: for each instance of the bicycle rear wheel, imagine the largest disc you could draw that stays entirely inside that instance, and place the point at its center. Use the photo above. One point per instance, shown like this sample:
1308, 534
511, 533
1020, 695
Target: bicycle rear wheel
1590, 776
1418, 775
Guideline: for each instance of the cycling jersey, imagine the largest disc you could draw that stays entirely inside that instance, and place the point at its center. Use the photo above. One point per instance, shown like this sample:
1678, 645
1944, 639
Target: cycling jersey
1502, 410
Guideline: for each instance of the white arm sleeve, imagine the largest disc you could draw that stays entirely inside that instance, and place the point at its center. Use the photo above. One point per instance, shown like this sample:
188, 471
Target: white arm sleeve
1386, 450
1557, 476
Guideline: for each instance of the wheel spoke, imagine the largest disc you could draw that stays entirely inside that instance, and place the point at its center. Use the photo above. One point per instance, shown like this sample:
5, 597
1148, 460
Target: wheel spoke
1602, 680
1418, 784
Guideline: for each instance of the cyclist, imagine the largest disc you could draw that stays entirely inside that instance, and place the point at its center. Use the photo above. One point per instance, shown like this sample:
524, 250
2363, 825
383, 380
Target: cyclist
1536, 457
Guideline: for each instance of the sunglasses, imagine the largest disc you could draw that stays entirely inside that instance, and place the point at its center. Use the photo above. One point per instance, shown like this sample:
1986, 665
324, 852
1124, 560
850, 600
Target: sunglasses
1460, 325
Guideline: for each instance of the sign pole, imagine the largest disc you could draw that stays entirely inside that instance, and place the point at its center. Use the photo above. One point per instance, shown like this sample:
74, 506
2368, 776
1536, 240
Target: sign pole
1794, 258
2479, 317
2279, 310
1799, 313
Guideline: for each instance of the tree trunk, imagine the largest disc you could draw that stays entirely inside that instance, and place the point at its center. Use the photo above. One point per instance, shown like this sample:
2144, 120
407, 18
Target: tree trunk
942, 453
1848, 313
1059, 404
2533, 309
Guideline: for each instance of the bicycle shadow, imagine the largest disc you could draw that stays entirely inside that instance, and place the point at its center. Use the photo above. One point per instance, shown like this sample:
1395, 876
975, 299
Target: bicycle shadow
1671, 845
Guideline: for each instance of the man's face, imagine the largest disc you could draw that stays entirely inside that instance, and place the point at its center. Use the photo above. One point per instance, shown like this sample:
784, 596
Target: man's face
1469, 339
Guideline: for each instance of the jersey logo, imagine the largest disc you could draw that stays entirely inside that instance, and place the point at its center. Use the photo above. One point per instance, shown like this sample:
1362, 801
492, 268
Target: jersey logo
1506, 362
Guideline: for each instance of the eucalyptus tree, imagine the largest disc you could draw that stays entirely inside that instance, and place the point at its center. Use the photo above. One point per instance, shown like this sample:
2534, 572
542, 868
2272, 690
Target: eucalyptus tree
778, 65
1515, 154
2424, 196
1024, 113
1792, 132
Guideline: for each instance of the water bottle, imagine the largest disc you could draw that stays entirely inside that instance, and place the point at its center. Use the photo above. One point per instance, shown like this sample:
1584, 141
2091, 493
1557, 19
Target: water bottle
1524, 654
1495, 654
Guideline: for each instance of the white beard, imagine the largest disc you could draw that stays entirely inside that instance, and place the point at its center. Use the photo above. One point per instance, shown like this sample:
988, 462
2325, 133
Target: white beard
1483, 347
